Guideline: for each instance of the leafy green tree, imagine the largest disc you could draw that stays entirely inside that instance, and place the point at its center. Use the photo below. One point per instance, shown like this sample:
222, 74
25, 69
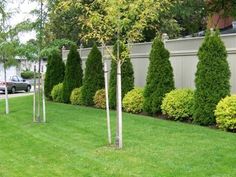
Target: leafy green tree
160, 79
225, 8
73, 73
212, 78
94, 77
127, 75
55, 72
120, 19
9, 45
191, 15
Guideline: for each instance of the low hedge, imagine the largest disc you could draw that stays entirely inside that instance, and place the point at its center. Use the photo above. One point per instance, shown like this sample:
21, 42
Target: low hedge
27, 74
226, 113
133, 101
75, 97
57, 93
99, 99
178, 104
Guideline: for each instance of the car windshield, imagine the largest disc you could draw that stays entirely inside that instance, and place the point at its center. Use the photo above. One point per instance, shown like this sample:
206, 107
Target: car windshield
14, 78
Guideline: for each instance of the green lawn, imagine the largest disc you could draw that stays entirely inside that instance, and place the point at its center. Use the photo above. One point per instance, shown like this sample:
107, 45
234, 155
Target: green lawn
73, 143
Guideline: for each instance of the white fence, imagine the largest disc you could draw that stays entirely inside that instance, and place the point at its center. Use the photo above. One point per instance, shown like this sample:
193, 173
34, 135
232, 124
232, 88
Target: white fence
183, 59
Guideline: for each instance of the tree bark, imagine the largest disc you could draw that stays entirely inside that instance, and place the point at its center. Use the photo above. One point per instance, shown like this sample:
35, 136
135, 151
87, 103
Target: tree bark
43, 95
107, 102
119, 140
6, 92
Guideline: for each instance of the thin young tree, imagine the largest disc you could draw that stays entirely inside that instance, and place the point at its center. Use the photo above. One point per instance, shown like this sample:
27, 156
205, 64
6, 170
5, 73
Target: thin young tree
116, 18
127, 75
8, 46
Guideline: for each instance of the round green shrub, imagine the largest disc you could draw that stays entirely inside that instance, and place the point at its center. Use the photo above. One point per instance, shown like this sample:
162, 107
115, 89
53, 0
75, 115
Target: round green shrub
133, 101
178, 104
99, 99
75, 97
27, 74
225, 113
57, 93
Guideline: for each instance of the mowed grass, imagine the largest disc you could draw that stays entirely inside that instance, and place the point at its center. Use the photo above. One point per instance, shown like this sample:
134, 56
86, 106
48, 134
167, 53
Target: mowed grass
74, 143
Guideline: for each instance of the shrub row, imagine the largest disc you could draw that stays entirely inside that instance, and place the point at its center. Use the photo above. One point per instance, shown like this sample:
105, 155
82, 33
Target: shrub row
212, 84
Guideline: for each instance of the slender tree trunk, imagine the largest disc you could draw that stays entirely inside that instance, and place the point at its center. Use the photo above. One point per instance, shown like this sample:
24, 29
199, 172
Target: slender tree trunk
107, 102
43, 95
39, 92
6, 92
34, 98
119, 107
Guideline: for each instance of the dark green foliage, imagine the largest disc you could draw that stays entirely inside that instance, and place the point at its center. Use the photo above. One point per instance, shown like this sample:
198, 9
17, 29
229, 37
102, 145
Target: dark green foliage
94, 76
159, 80
127, 75
27, 74
55, 72
212, 78
73, 74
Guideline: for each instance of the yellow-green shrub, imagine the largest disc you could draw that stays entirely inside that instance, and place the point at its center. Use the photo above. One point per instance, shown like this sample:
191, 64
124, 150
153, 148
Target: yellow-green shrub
75, 97
226, 113
133, 101
178, 104
57, 93
99, 99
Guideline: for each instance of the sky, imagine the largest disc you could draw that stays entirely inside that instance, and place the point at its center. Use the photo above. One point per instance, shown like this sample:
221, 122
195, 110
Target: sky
22, 10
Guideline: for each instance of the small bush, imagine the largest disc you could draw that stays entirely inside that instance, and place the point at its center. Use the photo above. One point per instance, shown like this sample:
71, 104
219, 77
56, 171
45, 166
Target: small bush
133, 101
100, 99
225, 113
178, 104
27, 74
57, 93
75, 97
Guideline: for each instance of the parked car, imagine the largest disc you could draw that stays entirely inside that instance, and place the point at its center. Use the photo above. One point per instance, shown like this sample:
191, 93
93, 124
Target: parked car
15, 83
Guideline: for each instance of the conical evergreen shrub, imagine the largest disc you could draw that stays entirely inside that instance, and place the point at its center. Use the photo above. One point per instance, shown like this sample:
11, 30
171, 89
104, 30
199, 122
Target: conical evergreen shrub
159, 79
211, 79
55, 72
94, 76
73, 73
127, 75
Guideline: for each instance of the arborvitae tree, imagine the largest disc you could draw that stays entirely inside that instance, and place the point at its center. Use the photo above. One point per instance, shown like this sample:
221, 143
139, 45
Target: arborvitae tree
73, 74
212, 78
160, 78
94, 76
127, 75
55, 72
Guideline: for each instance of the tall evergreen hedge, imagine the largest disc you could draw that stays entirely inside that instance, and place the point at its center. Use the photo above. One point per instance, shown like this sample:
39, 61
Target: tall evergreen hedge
211, 79
55, 72
73, 73
159, 79
94, 76
127, 75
